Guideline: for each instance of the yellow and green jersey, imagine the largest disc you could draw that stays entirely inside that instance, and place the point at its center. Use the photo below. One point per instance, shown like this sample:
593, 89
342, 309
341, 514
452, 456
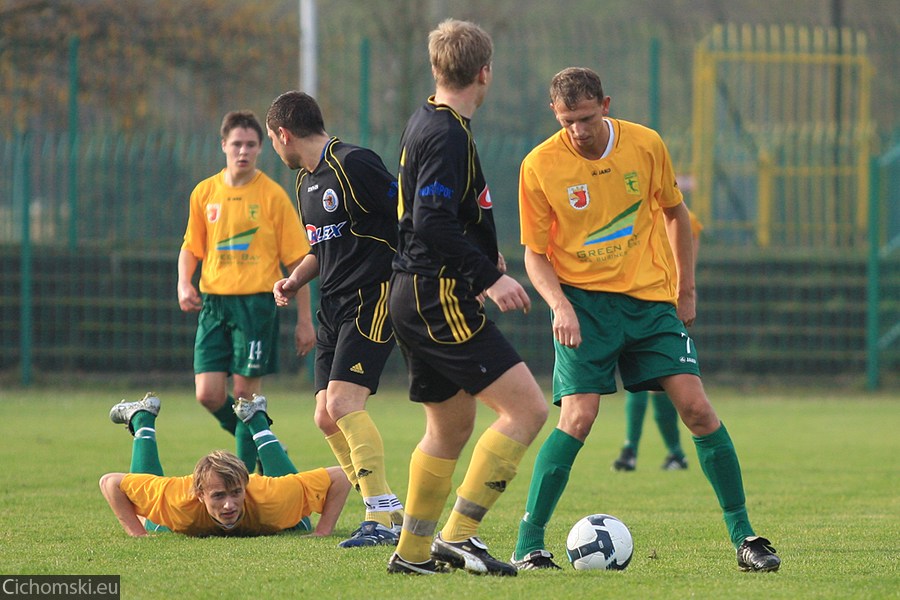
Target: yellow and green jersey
271, 504
600, 222
242, 234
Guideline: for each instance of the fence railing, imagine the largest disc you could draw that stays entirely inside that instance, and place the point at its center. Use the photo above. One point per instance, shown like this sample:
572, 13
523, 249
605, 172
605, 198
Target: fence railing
782, 136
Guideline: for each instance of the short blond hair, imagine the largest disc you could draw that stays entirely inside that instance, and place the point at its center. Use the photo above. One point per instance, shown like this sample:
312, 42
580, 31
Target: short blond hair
226, 465
458, 50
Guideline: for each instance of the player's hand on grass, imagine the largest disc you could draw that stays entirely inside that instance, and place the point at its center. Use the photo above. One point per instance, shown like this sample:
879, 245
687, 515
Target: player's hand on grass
508, 294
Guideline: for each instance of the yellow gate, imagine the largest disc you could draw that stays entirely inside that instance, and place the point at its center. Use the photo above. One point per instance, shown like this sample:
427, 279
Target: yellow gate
781, 136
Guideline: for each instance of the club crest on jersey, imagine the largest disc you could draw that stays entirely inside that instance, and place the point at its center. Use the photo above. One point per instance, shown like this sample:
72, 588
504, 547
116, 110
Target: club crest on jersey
484, 199
631, 183
330, 200
579, 198
212, 212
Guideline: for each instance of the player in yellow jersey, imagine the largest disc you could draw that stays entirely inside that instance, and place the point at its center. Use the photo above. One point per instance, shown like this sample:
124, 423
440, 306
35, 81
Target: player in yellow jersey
608, 246
220, 498
664, 413
244, 229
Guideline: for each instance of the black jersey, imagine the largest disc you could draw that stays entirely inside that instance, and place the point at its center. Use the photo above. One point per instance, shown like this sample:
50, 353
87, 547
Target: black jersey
348, 205
446, 222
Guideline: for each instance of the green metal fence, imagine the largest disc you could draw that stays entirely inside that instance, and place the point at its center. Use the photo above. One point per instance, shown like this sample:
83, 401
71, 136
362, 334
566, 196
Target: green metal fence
90, 226
883, 275
783, 135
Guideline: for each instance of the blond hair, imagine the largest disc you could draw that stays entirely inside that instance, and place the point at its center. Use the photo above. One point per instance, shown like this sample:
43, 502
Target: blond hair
458, 51
226, 465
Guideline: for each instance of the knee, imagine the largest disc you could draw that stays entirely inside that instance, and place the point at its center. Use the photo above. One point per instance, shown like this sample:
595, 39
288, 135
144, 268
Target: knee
699, 417
578, 422
211, 402
579, 428
324, 421
339, 406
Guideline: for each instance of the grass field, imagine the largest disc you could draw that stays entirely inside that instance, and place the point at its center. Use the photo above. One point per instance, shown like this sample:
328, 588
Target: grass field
821, 470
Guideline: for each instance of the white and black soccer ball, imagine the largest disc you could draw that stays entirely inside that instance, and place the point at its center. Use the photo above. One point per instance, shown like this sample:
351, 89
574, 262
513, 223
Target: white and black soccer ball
599, 542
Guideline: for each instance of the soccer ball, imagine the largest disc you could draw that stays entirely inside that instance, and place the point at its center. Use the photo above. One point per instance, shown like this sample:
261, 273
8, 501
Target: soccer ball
599, 542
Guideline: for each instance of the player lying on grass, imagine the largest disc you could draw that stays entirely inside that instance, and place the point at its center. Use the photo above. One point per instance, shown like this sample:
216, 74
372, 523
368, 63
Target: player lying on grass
220, 497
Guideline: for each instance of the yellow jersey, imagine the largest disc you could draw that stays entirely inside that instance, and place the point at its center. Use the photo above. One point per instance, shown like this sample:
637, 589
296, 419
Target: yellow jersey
600, 222
243, 234
271, 504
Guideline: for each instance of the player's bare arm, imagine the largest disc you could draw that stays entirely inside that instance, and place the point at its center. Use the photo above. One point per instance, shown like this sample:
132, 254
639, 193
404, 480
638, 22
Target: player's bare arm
678, 228
121, 506
334, 502
188, 296
304, 331
566, 329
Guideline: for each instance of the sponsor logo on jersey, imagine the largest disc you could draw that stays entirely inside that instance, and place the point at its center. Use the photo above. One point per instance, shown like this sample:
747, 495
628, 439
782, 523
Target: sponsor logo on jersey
436, 189
484, 199
213, 212
240, 241
621, 226
358, 368
631, 183
579, 197
253, 209
330, 200
324, 233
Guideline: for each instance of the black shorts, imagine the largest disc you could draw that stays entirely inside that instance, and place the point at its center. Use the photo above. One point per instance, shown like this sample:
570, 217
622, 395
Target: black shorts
354, 338
446, 339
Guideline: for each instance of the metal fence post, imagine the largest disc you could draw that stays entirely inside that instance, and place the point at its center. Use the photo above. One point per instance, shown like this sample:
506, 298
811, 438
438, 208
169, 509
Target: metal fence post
22, 189
73, 142
873, 374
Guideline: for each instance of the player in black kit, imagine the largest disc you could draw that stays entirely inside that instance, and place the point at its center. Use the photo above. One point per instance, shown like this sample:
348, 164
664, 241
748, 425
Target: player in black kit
447, 262
348, 204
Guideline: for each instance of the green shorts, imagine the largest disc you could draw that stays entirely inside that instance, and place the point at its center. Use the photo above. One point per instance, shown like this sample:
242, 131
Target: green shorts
237, 335
646, 340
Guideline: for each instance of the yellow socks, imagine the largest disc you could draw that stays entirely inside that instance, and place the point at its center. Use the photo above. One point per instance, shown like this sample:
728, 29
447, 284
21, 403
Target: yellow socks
341, 451
367, 455
430, 479
495, 460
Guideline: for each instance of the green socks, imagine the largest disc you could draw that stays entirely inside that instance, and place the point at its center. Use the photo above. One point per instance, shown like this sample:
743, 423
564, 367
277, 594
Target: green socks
719, 462
548, 481
667, 421
635, 408
245, 447
144, 451
226, 417
274, 459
